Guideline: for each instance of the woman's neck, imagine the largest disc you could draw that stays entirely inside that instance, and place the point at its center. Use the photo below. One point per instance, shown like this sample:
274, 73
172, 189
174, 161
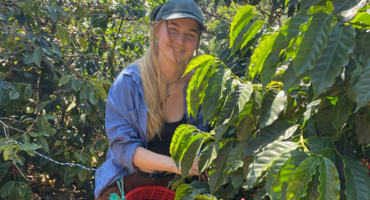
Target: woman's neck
170, 70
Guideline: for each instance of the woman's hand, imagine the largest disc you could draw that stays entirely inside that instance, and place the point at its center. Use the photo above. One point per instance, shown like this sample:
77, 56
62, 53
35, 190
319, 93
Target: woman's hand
204, 176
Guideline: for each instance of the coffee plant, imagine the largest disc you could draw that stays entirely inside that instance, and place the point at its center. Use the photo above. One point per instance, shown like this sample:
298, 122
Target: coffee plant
295, 124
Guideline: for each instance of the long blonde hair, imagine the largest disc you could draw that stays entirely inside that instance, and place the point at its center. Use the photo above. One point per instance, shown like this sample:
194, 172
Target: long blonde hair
154, 85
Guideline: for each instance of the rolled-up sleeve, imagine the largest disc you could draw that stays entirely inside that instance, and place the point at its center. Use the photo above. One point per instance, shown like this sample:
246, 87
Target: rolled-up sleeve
120, 111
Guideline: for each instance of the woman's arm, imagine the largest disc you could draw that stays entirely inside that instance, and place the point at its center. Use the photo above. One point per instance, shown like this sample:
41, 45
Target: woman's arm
148, 161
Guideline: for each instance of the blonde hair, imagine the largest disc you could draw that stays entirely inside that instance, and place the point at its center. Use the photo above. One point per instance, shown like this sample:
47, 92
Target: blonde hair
154, 85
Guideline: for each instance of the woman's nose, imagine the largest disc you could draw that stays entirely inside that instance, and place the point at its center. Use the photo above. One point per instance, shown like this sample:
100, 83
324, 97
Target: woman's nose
180, 39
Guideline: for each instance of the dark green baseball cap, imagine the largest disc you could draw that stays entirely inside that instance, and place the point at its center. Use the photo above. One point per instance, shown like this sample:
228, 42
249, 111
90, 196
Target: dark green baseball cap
178, 9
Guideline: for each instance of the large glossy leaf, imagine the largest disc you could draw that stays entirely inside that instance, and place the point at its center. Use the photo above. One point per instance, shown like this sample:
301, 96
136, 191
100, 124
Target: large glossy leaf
37, 56
339, 116
341, 42
209, 153
310, 110
213, 92
312, 188
179, 140
324, 119
362, 88
290, 78
365, 54
329, 179
288, 32
252, 108
357, 179
241, 18
301, 177
360, 40
272, 105
362, 129
253, 29
265, 159
216, 173
235, 102
260, 54
190, 154
280, 181
269, 134
308, 3
311, 42
346, 10
194, 63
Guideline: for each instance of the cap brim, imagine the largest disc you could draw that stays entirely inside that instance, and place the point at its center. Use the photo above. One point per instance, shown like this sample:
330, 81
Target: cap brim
183, 15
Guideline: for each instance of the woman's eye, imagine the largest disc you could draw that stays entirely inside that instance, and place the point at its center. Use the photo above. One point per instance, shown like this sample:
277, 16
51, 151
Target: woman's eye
192, 36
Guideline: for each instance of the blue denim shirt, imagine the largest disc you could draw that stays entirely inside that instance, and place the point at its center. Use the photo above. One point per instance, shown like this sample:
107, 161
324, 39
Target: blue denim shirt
125, 124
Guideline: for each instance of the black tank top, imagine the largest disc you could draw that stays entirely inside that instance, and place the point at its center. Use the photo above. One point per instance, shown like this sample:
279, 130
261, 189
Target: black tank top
162, 146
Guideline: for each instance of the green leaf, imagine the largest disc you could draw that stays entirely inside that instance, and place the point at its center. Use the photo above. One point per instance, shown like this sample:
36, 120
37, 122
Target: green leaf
265, 159
83, 42
260, 54
216, 173
268, 135
4, 167
82, 174
272, 105
14, 95
8, 154
27, 147
235, 103
329, 179
253, 29
28, 192
101, 91
312, 188
339, 116
42, 141
63, 34
280, 181
216, 85
362, 129
287, 33
37, 56
194, 63
65, 79
316, 143
179, 140
52, 14
7, 188
362, 88
241, 18
76, 85
235, 152
185, 191
341, 42
355, 76
357, 179
302, 175
310, 110
311, 42
190, 154
307, 3
208, 154
41, 106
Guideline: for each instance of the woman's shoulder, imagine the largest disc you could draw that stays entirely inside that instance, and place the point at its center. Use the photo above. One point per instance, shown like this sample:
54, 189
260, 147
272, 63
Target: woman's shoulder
128, 75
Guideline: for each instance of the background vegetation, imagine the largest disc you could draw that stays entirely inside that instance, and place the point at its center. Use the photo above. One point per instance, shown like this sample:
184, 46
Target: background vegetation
285, 85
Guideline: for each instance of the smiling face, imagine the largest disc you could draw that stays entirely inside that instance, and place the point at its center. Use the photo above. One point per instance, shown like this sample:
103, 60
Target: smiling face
184, 34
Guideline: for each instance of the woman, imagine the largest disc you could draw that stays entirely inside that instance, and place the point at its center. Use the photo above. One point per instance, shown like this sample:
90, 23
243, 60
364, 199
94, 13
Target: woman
147, 101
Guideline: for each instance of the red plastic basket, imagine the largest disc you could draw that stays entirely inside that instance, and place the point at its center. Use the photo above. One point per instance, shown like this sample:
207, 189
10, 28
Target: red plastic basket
151, 193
